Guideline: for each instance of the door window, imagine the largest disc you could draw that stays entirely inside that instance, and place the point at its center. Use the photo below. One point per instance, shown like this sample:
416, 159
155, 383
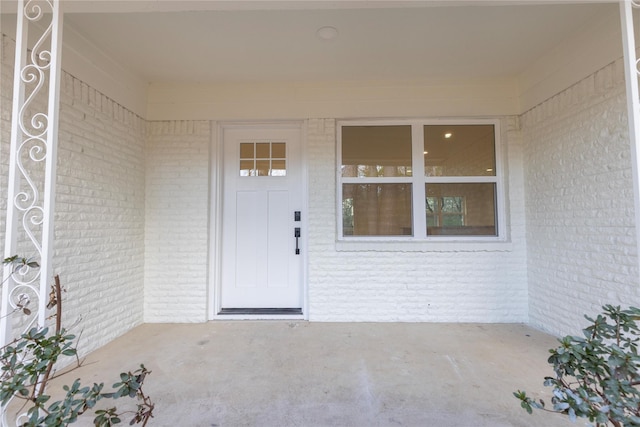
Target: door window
263, 159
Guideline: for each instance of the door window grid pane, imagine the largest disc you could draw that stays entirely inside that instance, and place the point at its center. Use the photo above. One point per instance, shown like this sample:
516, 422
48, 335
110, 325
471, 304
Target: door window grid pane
263, 159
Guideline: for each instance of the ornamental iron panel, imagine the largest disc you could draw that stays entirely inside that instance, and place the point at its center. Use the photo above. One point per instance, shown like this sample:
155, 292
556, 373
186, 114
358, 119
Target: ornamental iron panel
32, 169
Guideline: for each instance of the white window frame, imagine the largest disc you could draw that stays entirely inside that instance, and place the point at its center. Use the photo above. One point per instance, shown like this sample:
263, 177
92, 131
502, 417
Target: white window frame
418, 181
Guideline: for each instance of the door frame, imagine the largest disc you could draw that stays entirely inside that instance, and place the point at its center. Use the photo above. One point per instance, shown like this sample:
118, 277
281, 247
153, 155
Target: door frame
216, 191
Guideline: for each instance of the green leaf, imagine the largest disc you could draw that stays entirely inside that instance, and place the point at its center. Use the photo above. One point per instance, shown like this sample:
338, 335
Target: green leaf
43, 398
526, 406
10, 260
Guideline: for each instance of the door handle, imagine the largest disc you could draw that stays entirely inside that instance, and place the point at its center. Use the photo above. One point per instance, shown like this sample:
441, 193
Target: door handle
296, 234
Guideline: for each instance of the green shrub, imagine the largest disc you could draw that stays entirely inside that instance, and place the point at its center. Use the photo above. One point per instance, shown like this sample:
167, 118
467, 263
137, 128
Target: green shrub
596, 376
27, 366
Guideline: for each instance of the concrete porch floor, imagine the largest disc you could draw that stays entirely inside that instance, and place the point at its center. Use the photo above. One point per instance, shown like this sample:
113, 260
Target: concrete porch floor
280, 373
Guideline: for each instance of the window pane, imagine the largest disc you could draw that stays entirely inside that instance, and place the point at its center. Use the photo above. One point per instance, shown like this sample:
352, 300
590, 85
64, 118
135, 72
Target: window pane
376, 151
278, 150
376, 210
246, 168
459, 150
262, 167
263, 150
278, 168
246, 150
461, 209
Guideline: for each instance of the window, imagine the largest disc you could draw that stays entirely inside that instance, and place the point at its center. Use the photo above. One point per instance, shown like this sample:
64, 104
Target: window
376, 167
416, 180
263, 159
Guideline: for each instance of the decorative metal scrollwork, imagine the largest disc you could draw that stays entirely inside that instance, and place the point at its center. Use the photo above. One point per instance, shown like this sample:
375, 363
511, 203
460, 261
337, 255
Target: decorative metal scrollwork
32, 170
33, 127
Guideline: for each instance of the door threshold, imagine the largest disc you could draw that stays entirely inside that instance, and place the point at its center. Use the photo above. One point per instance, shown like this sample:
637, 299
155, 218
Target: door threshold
261, 311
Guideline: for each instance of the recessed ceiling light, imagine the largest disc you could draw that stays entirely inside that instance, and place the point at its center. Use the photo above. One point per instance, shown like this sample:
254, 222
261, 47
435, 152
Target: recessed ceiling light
327, 33
490, 170
448, 135
426, 152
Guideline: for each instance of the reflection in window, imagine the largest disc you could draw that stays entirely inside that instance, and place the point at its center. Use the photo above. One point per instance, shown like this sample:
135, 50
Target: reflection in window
376, 209
263, 159
376, 151
390, 171
461, 209
459, 150
445, 211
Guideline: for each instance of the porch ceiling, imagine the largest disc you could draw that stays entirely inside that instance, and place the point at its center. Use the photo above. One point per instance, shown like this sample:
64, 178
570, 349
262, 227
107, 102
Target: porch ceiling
376, 43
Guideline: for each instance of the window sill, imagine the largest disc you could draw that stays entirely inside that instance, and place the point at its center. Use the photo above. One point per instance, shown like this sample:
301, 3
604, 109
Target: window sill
423, 246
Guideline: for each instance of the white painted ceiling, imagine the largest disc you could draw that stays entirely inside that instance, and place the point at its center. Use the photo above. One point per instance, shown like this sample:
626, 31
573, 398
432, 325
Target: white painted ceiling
374, 43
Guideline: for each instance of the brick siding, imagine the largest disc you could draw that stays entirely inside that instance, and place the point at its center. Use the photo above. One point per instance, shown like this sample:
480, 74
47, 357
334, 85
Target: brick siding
176, 237
579, 203
99, 220
132, 221
455, 285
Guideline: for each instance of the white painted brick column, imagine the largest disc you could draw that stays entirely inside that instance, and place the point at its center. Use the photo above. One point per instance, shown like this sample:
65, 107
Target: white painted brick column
177, 221
581, 235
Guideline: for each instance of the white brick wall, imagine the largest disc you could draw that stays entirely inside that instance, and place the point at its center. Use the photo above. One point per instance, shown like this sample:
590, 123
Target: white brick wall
176, 237
133, 221
579, 203
459, 285
99, 222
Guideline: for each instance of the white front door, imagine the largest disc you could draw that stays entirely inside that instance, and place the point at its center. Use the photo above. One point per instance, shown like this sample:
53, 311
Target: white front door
262, 266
